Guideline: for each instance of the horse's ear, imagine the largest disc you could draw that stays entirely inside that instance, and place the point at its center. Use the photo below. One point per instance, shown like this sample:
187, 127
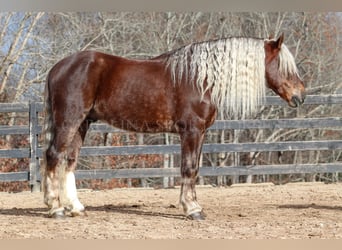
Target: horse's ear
270, 37
279, 41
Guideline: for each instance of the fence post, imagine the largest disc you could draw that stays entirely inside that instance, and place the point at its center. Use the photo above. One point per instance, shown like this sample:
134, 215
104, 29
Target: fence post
34, 159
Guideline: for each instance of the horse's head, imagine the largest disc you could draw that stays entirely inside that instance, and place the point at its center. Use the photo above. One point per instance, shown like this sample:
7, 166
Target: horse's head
281, 73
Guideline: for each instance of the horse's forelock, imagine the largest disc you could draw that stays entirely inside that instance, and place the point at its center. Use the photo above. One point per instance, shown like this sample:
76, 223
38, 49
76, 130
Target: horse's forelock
287, 64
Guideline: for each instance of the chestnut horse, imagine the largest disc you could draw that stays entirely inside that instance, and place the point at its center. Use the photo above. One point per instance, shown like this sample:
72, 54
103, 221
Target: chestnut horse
177, 92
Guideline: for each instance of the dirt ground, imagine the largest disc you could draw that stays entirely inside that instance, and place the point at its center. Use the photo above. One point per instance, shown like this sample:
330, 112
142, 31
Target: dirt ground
259, 211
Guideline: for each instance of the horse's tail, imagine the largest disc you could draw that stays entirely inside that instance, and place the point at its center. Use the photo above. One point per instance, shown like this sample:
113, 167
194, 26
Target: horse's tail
48, 131
48, 137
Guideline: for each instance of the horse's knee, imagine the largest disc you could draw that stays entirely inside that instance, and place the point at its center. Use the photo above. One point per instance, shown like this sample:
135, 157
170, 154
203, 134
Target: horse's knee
189, 172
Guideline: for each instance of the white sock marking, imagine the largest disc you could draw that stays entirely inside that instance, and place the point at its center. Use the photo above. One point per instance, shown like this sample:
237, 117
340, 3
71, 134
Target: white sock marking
72, 192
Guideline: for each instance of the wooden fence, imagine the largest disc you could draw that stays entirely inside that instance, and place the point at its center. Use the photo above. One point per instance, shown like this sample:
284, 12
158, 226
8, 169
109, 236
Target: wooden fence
34, 152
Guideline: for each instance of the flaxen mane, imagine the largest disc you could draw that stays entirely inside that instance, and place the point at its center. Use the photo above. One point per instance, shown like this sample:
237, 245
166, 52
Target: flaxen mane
232, 68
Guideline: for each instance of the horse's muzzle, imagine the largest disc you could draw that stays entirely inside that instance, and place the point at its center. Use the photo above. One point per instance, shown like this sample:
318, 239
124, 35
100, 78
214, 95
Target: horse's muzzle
296, 101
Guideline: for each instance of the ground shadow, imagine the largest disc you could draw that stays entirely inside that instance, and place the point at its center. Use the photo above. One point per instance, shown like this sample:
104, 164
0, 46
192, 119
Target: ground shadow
312, 205
134, 209
30, 212
123, 209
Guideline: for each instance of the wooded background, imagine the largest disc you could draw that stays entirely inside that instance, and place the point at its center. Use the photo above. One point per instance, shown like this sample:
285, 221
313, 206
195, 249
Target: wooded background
32, 42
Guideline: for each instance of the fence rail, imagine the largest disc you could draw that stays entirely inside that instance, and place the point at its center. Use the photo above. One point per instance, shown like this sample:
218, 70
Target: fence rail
34, 152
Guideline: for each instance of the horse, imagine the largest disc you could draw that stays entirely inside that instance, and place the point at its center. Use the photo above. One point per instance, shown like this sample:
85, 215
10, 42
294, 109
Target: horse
178, 92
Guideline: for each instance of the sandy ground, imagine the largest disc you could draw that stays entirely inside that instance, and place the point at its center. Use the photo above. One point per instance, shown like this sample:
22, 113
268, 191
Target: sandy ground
263, 211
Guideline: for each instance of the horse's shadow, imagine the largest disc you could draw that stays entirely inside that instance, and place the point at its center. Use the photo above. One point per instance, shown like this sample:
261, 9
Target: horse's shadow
30, 212
133, 210
311, 205
123, 209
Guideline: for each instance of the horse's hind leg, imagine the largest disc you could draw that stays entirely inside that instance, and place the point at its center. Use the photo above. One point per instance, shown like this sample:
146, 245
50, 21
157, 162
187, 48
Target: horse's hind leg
74, 205
56, 164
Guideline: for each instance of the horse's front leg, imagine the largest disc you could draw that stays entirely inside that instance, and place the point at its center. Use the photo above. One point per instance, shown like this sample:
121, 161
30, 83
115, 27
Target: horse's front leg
191, 143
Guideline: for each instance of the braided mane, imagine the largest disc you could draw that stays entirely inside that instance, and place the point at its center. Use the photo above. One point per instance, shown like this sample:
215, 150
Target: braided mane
233, 69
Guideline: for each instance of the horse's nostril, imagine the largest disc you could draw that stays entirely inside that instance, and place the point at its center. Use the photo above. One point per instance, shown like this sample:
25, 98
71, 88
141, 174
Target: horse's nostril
297, 100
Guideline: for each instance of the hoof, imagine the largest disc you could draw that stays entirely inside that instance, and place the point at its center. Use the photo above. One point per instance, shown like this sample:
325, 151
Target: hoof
196, 216
60, 214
